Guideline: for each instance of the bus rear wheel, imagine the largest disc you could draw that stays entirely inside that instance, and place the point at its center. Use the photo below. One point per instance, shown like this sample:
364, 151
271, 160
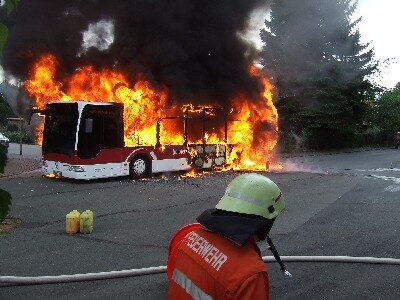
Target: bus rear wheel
139, 168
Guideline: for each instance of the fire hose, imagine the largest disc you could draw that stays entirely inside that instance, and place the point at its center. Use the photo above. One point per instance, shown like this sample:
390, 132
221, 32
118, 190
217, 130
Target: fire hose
19, 280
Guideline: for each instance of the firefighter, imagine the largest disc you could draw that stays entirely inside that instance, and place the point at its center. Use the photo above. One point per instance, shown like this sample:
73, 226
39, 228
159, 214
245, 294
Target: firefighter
219, 258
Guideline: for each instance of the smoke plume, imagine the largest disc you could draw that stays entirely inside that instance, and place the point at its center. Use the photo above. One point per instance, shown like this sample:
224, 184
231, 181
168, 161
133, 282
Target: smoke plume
192, 47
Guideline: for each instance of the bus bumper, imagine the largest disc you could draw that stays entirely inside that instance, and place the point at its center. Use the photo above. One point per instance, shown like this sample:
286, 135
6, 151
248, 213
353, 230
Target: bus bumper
84, 172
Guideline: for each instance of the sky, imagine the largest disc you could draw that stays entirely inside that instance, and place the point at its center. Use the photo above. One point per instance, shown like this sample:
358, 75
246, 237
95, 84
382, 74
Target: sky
378, 26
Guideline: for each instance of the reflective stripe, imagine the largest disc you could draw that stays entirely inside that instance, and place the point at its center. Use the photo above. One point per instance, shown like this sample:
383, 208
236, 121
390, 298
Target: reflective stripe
246, 198
193, 290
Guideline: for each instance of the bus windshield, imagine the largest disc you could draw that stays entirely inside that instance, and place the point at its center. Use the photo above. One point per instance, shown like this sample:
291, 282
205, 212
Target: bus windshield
59, 134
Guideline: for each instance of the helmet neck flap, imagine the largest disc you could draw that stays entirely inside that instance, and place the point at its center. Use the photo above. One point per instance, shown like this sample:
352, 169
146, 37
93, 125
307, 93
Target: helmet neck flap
236, 227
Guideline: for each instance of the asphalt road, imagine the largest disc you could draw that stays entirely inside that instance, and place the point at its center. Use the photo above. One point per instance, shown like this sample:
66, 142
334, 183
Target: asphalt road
339, 204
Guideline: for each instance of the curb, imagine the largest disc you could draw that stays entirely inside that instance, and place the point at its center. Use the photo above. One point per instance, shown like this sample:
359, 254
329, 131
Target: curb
306, 153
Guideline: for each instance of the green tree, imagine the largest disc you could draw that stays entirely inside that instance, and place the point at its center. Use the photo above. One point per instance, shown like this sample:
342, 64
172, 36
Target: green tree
5, 111
5, 197
9, 6
386, 113
313, 53
3, 36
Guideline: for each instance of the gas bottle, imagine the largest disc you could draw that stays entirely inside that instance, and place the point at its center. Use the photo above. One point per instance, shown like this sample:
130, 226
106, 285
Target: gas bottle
86, 221
72, 222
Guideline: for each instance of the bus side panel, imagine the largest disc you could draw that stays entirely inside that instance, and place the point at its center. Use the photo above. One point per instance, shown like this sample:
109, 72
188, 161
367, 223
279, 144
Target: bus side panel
115, 162
168, 165
85, 172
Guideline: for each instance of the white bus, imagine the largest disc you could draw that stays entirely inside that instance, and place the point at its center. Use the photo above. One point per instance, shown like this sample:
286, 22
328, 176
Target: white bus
85, 140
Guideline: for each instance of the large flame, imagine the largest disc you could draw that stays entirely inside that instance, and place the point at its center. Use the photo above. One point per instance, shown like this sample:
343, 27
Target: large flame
252, 127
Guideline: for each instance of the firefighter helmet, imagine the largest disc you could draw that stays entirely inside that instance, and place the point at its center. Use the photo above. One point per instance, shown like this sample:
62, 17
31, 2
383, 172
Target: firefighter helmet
252, 194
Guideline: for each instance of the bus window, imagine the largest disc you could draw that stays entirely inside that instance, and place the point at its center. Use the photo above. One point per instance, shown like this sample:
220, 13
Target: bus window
88, 125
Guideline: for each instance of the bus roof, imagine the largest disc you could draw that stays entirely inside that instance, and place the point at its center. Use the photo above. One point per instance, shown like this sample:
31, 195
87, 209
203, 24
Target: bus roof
83, 102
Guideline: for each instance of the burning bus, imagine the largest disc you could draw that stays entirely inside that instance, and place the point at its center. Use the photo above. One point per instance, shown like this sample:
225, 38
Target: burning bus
120, 128
165, 58
85, 140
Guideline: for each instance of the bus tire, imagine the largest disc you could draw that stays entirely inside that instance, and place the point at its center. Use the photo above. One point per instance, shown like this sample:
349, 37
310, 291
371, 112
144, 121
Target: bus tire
198, 162
139, 167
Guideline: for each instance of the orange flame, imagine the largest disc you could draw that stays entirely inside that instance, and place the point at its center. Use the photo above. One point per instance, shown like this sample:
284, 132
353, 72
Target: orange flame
253, 142
254, 131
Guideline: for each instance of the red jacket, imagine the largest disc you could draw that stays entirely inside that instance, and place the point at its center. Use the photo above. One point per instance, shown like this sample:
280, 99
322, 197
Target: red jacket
209, 266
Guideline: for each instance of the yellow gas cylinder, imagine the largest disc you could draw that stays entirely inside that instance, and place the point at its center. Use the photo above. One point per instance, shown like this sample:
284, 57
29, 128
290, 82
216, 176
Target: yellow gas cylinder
72, 222
86, 222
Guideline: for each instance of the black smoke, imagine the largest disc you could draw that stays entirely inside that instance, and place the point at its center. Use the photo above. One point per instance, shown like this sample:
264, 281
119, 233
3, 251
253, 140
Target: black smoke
190, 46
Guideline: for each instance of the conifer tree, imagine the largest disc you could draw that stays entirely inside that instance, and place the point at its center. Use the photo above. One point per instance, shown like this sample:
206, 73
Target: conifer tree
313, 53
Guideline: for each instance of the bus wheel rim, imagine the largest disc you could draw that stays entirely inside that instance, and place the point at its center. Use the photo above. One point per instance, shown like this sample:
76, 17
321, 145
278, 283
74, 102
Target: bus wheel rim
139, 166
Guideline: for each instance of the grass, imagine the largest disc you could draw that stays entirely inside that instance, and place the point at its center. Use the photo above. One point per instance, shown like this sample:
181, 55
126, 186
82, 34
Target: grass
9, 225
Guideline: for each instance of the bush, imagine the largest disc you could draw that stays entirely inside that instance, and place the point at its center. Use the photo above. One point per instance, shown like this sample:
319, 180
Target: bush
12, 127
289, 142
5, 203
14, 136
3, 159
319, 138
5, 197
375, 136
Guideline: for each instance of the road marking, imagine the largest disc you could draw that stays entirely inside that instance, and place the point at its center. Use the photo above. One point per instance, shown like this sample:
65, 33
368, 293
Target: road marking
394, 179
393, 188
390, 188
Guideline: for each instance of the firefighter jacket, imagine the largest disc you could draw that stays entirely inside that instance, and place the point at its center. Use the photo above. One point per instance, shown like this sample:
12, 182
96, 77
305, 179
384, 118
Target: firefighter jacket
209, 266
